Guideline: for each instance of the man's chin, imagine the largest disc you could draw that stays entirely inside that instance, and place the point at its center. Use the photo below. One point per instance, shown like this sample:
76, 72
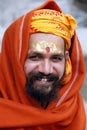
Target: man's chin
45, 89
42, 93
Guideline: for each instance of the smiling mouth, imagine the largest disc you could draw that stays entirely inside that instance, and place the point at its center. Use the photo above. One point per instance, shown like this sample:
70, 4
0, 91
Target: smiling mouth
44, 81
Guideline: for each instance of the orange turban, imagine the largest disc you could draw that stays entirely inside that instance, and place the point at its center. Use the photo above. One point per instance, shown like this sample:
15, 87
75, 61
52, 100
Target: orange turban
54, 22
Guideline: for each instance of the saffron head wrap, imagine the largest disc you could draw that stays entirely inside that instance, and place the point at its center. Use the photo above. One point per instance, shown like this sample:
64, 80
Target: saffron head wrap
54, 22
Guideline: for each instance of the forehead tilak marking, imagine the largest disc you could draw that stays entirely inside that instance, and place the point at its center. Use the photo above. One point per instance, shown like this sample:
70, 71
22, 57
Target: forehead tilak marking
45, 46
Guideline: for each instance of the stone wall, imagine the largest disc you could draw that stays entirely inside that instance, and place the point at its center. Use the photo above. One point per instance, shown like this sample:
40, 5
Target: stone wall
84, 88
82, 1
82, 4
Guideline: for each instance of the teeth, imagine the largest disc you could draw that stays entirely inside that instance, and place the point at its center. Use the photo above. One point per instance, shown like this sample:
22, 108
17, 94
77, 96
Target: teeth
44, 79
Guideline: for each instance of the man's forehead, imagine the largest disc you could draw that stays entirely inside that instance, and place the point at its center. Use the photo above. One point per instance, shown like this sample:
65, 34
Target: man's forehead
46, 47
46, 43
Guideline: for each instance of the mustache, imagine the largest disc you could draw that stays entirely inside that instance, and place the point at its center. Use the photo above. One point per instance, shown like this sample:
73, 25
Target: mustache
39, 76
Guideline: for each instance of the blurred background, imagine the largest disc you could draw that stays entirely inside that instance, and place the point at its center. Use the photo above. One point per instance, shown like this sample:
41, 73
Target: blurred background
12, 9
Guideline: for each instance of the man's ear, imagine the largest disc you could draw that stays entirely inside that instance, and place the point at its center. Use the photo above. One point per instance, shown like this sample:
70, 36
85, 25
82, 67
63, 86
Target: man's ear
66, 54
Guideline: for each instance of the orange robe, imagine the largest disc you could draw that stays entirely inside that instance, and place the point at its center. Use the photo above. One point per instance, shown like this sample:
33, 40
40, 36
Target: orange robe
18, 111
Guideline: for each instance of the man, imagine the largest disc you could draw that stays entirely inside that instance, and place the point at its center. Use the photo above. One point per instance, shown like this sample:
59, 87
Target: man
41, 72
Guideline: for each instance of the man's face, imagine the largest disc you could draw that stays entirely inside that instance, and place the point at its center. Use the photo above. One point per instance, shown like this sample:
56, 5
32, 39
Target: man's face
45, 64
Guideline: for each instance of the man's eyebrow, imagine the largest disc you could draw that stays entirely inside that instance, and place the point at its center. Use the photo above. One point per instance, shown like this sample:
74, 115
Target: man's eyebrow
59, 54
34, 53
42, 55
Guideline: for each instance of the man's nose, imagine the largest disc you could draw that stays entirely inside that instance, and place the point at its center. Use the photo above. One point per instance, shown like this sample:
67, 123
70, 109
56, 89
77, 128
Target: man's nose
46, 67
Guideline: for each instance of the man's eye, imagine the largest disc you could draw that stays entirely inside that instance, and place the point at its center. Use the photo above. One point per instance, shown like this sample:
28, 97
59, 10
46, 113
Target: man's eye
57, 59
34, 58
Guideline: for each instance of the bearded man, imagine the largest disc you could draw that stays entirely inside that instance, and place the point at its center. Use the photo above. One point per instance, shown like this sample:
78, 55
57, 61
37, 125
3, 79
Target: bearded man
41, 72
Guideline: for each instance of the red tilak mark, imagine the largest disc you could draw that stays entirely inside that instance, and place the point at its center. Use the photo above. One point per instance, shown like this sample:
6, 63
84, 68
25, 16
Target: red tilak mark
48, 49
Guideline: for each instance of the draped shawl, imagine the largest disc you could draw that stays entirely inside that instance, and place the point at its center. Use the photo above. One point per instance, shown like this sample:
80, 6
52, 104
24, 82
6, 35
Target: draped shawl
18, 111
